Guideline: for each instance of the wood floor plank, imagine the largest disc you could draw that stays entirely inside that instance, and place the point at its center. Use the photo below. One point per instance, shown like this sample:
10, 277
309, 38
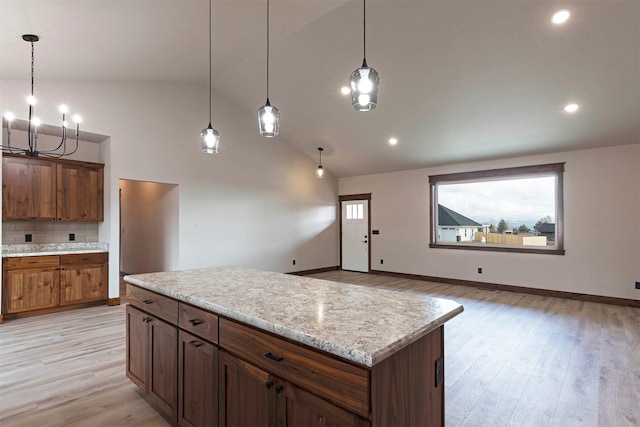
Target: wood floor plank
510, 360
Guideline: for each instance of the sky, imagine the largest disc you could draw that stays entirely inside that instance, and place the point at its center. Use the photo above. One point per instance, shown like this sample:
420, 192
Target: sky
518, 201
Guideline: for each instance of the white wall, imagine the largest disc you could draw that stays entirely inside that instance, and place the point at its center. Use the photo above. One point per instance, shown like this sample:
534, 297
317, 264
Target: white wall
256, 204
149, 226
602, 226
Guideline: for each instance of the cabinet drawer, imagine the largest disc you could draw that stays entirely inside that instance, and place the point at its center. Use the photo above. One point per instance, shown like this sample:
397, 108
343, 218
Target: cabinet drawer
198, 322
15, 263
156, 304
79, 259
342, 383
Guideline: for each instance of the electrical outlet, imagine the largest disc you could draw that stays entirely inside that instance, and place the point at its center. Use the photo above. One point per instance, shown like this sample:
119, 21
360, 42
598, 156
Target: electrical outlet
294, 262
381, 261
72, 237
637, 285
28, 238
479, 270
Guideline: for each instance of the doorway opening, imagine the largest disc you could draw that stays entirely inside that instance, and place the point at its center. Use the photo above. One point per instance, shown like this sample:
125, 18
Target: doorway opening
148, 227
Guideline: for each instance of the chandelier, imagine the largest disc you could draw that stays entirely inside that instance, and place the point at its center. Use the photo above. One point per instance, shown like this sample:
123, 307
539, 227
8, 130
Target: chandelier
32, 126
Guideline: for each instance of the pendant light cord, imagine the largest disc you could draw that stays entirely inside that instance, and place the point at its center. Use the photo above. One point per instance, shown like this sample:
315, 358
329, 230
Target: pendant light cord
209, 63
364, 30
268, 50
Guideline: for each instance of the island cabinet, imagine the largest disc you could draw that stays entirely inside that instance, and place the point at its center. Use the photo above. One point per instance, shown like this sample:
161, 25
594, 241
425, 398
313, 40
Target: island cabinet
204, 369
276, 371
172, 356
51, 189
42, 284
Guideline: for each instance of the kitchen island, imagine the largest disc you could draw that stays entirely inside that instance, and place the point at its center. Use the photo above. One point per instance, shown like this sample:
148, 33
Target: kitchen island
233, 346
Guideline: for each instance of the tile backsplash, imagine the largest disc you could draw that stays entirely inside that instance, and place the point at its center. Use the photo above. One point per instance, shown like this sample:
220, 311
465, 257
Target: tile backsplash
14, 232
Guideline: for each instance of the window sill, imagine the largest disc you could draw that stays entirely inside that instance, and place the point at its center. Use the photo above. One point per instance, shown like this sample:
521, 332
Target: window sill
468, 247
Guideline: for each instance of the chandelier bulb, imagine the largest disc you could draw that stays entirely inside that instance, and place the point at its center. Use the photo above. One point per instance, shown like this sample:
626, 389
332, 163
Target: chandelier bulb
63, 109
9, 116
31, 100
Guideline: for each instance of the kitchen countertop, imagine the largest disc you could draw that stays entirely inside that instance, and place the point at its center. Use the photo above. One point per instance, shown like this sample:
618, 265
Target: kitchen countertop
359, 323
39, 249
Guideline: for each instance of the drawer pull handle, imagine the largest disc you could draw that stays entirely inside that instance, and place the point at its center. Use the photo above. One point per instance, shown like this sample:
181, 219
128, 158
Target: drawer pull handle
274, 357
269, 384
146, 319
195, 344
147, 301
279, 388
195, 322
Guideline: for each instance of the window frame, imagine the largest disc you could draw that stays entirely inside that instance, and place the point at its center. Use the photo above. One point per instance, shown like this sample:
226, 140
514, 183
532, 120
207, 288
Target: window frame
556, 169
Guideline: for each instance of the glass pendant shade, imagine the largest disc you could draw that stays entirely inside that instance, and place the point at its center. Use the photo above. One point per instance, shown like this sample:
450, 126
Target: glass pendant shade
210, 140
320, 169
364, 88
268, 120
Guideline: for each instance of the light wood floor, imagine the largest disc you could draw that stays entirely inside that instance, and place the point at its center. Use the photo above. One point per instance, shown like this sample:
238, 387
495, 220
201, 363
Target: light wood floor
511, 360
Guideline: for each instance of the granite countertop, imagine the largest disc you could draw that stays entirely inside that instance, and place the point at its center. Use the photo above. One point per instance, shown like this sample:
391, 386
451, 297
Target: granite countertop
359, 323
37, 249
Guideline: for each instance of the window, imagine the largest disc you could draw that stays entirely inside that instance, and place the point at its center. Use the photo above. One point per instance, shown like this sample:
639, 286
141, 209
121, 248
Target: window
355, 211
509, 210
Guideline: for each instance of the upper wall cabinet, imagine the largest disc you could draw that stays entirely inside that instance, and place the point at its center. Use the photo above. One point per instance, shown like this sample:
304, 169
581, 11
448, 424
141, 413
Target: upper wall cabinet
51, 189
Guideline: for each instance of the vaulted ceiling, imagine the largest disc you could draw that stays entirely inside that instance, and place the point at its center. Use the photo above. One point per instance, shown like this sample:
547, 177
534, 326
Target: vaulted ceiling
459, 80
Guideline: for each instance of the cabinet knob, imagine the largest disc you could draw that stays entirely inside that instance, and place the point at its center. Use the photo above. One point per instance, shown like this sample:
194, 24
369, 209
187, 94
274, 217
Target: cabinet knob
195, 322
269, 384
279, 388
195, 344
147, 301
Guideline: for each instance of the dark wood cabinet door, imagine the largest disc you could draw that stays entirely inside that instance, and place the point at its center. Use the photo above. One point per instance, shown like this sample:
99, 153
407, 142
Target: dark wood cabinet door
80, 193
163, 364
247, 396
197, 382
306, 409
30, 289
28, 189
82, 284
137, 347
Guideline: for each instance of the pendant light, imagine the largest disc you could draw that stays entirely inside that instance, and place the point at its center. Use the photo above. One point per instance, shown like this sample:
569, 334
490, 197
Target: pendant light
320, 169
61, 150
209, 136
364, 80
268, 115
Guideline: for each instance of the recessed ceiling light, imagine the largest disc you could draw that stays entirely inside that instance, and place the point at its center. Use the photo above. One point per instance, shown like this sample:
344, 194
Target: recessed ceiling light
345, 90
393, 141
571, 108
560, 17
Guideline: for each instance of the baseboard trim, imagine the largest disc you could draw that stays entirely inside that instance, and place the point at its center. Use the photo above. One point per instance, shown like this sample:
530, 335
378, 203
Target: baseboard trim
314, 271
113, 301
520, 289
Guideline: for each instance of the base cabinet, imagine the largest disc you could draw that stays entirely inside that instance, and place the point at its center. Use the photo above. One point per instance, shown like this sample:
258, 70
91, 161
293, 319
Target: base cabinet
247, 394
208, 371
34, 284
152, 358
197, 382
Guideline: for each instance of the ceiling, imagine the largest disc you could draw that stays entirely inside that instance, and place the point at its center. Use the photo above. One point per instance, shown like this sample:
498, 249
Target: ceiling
459, 80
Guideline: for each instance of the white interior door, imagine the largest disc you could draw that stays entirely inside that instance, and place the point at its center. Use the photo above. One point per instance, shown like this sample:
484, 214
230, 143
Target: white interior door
355, 235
